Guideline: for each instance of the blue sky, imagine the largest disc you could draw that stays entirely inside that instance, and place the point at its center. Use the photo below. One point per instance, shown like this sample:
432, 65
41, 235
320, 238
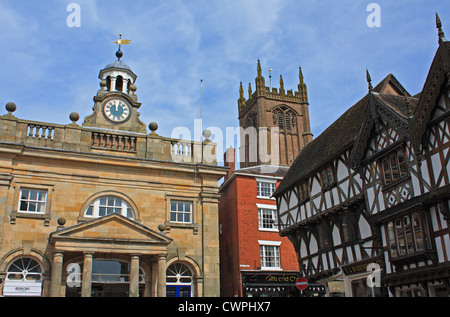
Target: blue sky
50, 70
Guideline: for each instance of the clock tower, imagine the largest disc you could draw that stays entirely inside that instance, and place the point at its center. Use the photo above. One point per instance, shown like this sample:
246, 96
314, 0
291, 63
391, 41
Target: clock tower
116, 103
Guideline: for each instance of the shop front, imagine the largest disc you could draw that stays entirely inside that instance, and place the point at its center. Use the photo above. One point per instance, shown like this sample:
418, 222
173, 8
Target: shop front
269, 284
363, 279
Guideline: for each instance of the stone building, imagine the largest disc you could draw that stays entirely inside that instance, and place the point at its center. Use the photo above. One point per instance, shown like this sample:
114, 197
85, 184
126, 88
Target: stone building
105, 208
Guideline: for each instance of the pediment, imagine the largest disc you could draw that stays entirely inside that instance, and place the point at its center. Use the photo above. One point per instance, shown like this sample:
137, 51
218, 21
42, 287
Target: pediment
109, 232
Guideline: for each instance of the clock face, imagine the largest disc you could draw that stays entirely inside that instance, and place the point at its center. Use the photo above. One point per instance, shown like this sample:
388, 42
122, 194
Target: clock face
116, 110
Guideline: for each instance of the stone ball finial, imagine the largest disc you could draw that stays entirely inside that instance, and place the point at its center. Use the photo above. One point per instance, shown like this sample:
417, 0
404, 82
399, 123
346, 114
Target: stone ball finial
133, 87
74, 117
61, 221
207, 134
162, 227
11, 107
153, 126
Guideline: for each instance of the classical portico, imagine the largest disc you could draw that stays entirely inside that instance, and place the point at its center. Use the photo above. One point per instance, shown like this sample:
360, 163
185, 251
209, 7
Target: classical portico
109, 240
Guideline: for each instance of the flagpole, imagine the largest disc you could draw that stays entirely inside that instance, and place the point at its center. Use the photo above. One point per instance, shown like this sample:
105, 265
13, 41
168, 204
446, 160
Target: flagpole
201, 111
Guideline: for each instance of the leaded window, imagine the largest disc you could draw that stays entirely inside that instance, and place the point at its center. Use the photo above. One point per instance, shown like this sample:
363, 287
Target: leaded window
406, 235
394, 167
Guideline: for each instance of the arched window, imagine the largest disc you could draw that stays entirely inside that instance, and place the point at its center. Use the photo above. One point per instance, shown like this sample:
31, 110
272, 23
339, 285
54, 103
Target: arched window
179, 280
108, 83
108, 205
119, 83
284, 117
24, 270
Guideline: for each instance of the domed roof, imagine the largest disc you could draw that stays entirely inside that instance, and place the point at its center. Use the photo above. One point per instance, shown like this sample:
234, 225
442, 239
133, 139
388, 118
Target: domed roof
118, 64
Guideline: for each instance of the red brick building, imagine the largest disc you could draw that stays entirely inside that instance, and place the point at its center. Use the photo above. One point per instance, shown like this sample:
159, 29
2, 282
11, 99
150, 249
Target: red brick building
255, 259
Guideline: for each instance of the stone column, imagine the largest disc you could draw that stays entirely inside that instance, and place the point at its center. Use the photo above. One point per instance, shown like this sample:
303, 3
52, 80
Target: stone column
86, 284
113, 83
134, 276
56, 277
154, 282
162, 275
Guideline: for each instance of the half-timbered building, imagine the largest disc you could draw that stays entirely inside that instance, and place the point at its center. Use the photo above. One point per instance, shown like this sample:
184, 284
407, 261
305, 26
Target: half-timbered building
366, 204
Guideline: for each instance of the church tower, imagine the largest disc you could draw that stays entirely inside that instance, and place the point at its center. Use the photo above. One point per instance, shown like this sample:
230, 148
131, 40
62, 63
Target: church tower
116, 103
274, 123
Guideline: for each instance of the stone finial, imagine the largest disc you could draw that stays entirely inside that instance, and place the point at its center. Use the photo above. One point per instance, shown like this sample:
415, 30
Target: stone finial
153, 127
74, 117
11, 107
207, 134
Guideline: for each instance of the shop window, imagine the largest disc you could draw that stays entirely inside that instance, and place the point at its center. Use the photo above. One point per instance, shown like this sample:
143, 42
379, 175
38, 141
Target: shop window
267, 219
394, 167
108, 205
270, 257
33, 201
181, 212
265, 189
406, 235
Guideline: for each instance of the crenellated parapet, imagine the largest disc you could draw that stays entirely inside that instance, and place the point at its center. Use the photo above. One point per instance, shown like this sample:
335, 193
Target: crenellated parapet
261, 90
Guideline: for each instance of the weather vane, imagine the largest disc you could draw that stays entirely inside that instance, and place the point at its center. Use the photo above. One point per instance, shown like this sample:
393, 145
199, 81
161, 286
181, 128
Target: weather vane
121, 42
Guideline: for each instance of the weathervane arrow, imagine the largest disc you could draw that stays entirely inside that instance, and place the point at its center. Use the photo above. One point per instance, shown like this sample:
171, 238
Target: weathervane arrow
121, 42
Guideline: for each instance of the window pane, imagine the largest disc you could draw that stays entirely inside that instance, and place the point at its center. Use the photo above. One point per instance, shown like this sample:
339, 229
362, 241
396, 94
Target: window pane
409, 241
400, 237
392, 239
33, 195
25, 194
23, 206
402, 163
418, 234
89, 211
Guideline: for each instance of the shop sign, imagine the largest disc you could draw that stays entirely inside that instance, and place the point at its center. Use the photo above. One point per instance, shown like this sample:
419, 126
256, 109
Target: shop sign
275, 279
22, 289
360, 267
